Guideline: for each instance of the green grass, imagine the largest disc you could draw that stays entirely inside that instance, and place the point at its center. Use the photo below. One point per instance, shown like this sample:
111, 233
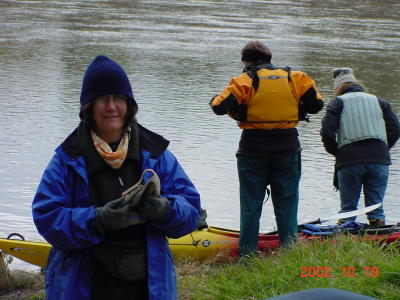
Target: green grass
270, 275
280, 273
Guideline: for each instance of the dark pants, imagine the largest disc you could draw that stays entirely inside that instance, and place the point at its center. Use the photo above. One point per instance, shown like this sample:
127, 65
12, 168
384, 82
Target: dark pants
282, 173
105, 286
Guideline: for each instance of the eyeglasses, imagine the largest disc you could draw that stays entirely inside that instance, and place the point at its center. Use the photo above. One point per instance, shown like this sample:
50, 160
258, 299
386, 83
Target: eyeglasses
118, 99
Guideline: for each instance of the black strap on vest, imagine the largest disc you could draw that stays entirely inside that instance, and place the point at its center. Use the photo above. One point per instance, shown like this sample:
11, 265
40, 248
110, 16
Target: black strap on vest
252, 72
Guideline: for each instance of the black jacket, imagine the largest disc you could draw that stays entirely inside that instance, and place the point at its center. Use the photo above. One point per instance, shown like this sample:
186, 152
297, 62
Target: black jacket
361, 152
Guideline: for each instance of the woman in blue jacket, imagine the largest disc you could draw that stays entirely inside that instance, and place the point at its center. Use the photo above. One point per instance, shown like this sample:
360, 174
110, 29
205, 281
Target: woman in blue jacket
106, 245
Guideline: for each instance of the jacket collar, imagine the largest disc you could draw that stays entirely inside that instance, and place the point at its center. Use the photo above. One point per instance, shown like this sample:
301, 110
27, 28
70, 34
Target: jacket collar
256, 67
152, 142
353, 88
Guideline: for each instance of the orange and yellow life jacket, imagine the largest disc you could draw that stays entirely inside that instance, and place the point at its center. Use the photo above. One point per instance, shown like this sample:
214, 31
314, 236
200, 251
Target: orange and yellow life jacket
273, 101
264, 97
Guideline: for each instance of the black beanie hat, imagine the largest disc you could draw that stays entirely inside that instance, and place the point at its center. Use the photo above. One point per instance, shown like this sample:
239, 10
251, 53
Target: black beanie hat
104, 76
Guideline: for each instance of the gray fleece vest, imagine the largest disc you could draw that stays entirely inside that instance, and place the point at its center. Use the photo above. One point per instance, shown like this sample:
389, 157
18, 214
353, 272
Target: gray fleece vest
361, 119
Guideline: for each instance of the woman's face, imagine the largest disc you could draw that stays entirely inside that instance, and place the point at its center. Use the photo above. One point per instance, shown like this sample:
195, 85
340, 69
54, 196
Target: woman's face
109, 113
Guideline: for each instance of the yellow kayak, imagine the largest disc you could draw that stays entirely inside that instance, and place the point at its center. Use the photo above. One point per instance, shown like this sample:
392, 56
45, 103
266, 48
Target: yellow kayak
32, 252
200, 244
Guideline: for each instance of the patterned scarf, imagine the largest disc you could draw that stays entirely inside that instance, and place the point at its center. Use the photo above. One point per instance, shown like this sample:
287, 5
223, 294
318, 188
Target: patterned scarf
113, 159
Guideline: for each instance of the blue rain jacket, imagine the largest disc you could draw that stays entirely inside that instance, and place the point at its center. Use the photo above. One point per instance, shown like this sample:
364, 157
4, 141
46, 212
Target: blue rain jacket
64, 216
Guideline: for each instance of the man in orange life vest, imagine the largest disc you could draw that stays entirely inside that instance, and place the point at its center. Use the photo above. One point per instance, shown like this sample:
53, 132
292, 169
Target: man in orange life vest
267, 102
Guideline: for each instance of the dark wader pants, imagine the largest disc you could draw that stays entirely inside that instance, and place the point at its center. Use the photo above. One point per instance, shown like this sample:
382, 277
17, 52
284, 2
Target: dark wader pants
282, 173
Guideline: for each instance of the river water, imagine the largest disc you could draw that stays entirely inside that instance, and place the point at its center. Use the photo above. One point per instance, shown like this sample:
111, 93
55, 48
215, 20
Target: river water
178, 55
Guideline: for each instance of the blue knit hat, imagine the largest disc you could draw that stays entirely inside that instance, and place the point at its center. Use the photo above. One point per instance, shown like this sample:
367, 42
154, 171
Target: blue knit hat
104, 76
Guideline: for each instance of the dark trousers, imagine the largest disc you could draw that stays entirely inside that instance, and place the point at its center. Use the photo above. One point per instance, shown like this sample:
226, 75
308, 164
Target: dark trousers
105, 286
282, 174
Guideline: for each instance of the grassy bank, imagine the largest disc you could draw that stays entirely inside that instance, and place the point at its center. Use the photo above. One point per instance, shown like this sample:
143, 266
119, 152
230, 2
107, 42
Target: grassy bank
346, 263
24, 286
361, 267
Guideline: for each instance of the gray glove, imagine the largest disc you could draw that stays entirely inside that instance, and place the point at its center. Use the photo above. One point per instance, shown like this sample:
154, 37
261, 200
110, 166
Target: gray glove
202, 223
153, 208
134, 194
113, 216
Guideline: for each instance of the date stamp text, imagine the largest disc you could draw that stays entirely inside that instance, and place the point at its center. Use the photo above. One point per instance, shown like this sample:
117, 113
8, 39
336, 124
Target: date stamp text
320, 271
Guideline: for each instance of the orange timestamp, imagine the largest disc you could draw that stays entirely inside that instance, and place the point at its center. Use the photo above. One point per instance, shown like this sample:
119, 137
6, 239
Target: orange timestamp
319, 271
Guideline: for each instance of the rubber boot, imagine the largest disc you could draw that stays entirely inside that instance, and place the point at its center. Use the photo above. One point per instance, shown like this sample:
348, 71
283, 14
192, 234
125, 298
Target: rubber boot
376, 223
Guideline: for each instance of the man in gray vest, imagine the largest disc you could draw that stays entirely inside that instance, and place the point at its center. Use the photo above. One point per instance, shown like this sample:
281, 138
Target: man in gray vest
359, 129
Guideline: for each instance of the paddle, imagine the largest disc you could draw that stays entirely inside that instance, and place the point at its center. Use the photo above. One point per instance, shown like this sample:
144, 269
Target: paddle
339, 216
